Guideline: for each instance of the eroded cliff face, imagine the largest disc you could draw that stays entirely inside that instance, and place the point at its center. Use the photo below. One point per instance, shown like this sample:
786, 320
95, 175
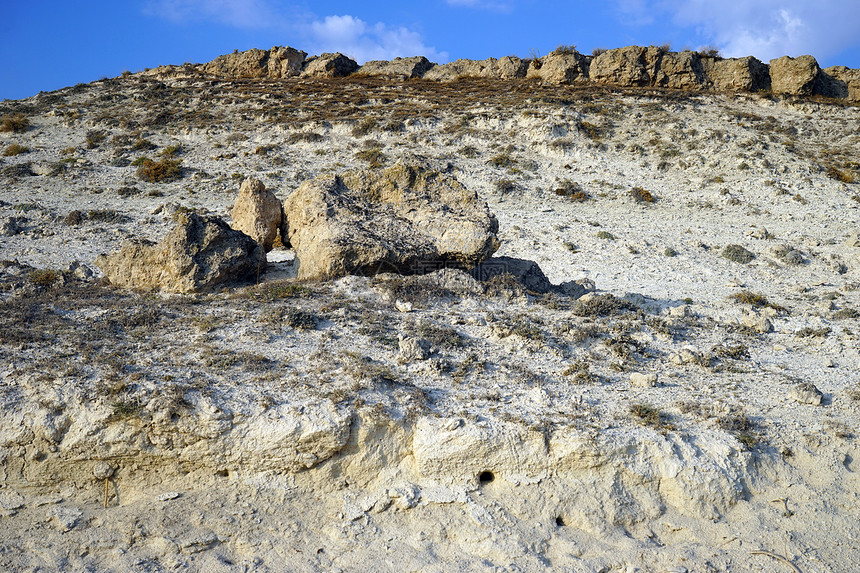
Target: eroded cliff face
631, 66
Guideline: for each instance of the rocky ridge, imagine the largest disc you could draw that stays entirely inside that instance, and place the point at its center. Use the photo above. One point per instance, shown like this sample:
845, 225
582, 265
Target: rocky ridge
631, 66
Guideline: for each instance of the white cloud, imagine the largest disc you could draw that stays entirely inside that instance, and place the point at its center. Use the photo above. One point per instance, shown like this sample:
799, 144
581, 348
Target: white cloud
237, 13
362, 42
763, 28
346, 34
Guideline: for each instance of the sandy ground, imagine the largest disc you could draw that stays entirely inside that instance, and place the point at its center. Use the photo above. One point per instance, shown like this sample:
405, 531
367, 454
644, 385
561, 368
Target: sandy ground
281, 427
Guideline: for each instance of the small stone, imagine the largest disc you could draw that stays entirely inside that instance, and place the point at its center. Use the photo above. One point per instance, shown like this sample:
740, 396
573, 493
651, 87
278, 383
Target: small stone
170, 495
403, 306
80, 271
103, 470
198, 543
640, 380
758, 323
405, 496
48, 500
806, 393
11, 226
10, 499
682, 311
66, 518
793, 257
413, 349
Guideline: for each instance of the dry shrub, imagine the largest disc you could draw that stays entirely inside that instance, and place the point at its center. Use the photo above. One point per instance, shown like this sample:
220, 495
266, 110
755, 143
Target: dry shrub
641, 195
15, 123
737, 254
159, 171
14, 149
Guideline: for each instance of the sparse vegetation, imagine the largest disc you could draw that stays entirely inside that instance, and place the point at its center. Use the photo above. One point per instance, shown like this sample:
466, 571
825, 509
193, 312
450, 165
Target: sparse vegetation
709, 52
502, 160
14, 123
737, 254
14, 149
565, 50
844, 176
751, 298
594, 132
161, 171
364, 127
373, 156
742, 428
653, 417
641, 195
572, 191
44, 277
601, 305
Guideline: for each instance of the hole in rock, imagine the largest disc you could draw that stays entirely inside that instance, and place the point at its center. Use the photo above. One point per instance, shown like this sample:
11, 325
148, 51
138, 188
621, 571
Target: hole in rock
486, 477
559, 521
222, 473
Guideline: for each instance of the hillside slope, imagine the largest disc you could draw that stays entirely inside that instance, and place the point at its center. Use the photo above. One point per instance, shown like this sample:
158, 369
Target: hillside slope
663, 423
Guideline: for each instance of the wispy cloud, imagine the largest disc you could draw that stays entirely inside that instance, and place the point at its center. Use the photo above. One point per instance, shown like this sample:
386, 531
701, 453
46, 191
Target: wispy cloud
495, 6
248, 14
347, 34
363, 42
764, 28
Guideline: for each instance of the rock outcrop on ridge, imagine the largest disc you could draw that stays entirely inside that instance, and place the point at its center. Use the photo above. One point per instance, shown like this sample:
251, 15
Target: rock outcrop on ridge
630, 66
277, 62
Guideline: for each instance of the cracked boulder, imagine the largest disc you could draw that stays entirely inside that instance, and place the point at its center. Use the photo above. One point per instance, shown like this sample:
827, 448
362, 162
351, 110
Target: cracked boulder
199, 254
404, 219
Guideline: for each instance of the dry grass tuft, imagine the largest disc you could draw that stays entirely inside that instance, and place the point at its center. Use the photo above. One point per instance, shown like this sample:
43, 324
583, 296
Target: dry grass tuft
15, 123
159, 171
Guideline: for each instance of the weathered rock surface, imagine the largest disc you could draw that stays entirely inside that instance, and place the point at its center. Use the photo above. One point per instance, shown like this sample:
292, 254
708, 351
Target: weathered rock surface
277, 62
841, 82
794, 76
399, 68
560, 68
527, 273
403, 219
628, 67
329, 66
760, 324
640, 380
413, 349
507, 67
736, 74
806, 393
200, 254
257, 213
680, 70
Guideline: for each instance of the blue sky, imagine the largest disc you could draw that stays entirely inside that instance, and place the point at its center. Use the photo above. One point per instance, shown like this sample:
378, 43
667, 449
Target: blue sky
46, 45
